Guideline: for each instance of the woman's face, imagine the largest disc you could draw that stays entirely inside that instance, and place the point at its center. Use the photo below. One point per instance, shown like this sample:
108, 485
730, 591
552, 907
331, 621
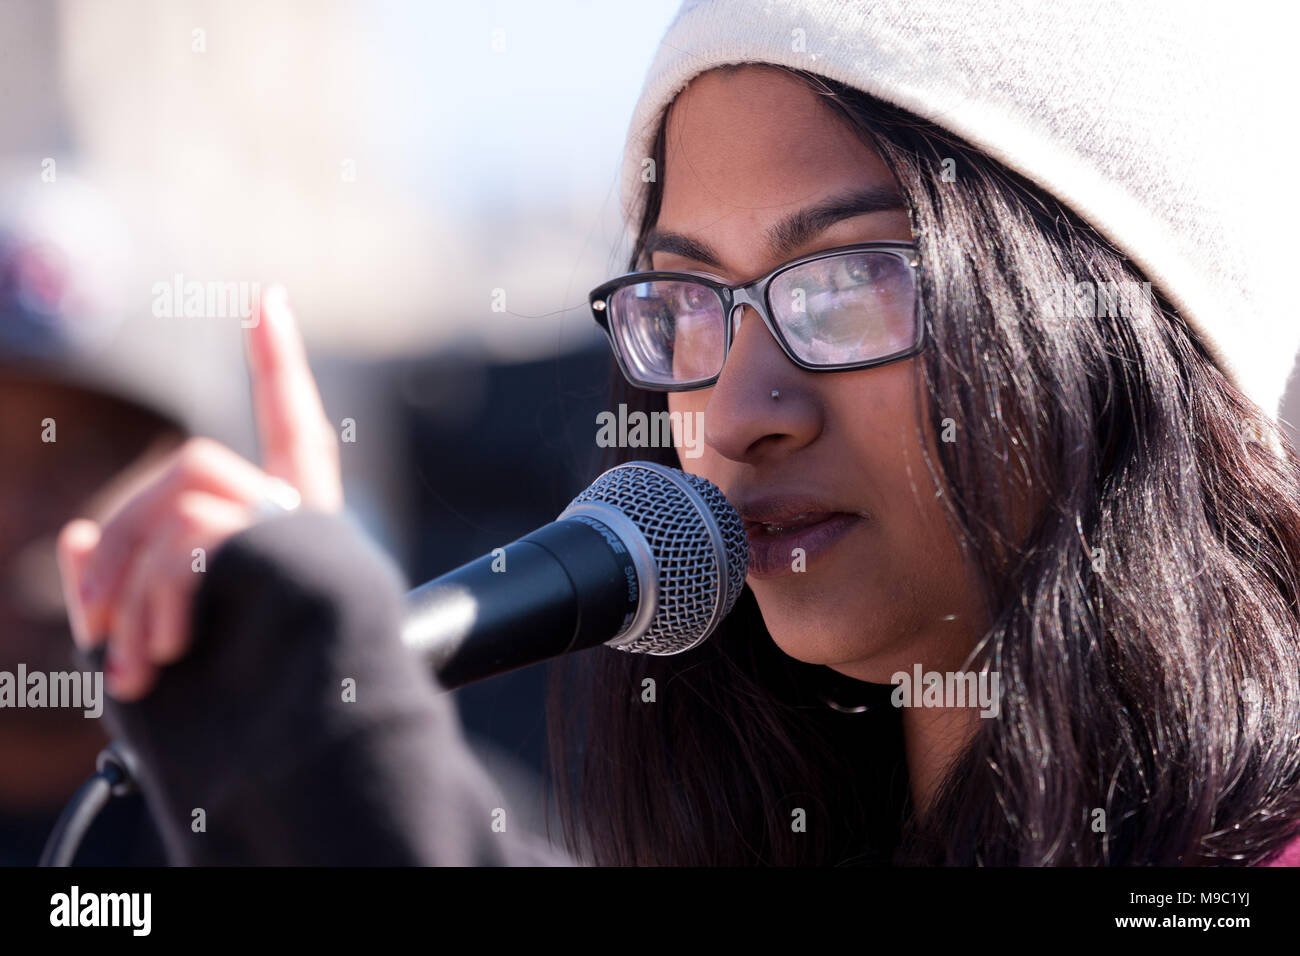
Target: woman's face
883, 585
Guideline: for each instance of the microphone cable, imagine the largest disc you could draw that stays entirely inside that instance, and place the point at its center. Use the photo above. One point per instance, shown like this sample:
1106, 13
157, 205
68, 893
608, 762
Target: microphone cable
113, 777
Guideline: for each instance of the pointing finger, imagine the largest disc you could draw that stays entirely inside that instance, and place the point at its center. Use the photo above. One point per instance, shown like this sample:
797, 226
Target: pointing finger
298, 442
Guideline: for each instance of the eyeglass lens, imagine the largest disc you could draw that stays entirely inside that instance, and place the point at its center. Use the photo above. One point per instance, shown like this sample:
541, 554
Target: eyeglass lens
839, 310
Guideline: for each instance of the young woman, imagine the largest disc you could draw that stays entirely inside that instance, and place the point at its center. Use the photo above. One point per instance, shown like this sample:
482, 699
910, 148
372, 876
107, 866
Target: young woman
944, 468
1094, 528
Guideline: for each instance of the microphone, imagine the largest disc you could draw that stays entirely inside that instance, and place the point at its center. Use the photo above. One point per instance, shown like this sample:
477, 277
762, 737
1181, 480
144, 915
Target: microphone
647, 560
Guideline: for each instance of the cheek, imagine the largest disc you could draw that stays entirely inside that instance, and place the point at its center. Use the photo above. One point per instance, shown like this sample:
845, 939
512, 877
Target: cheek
685, 401
693, 455
925, 587
893, 448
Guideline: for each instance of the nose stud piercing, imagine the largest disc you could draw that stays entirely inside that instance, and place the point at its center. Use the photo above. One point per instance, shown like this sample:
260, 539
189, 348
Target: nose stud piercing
775, 394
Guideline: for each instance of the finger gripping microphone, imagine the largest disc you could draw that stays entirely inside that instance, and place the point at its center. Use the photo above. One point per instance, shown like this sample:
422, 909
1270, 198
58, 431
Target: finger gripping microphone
648, 559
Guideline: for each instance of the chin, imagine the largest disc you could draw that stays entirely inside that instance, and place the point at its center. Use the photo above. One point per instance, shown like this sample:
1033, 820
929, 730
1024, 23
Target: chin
852, 637
811, 631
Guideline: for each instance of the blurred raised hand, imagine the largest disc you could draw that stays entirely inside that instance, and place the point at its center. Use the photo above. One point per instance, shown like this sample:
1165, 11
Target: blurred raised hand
130, 579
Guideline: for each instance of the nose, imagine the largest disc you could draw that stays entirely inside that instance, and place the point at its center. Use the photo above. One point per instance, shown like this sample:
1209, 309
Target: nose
741, 420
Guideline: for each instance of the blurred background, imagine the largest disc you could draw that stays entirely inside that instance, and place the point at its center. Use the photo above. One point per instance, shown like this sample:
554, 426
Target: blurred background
436, 186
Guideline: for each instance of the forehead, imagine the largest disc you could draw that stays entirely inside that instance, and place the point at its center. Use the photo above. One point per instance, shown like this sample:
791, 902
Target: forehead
743, 147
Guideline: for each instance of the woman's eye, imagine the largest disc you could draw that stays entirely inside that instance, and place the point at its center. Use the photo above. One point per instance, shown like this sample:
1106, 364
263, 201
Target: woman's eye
695, 297
859, 269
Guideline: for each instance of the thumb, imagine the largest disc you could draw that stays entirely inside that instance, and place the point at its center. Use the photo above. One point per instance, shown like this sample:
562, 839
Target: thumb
76, 543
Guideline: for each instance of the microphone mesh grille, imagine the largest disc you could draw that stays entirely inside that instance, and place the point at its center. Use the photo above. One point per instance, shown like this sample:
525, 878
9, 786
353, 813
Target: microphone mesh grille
676, 526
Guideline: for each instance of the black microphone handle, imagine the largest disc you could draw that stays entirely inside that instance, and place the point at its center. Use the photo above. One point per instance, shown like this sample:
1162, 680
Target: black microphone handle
569, 585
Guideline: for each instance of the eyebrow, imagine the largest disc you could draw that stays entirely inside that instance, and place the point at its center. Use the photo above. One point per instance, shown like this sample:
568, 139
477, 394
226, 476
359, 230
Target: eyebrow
791, 232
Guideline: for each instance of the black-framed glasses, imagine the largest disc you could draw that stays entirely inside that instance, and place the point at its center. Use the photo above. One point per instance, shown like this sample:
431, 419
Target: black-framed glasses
848, 307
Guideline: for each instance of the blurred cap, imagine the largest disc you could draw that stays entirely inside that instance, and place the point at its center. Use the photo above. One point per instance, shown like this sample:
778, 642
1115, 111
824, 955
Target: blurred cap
75, 309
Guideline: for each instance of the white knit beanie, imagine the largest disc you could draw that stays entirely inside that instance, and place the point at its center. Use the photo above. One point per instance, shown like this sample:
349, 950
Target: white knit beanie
1157, 121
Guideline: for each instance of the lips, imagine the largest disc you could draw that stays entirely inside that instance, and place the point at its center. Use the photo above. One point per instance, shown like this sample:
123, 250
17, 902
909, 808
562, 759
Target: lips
786, 534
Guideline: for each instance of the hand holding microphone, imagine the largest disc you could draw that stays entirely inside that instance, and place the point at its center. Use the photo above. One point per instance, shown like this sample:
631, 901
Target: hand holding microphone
130, 581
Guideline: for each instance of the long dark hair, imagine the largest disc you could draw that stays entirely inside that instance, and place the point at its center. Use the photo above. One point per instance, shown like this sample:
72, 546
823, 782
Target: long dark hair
1145, 625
